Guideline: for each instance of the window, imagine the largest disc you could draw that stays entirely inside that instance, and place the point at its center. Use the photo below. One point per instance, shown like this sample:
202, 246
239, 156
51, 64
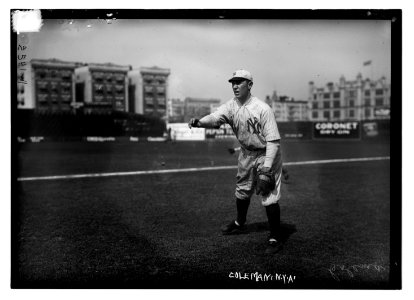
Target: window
66, 98
315, 114
337, 95
367, 102
315, 96
67, 75
120, 79
42, 73
351, 103
54, 73
326, 104
109, 91
42, 98
148, 89
54, 98
20, 99
367, 93
98, 89
66, 87
351, 113
54, 87
326, 114
336, 114
119, 104
326, 96
98, 76
43, 86
379, 92
367, 112
379, 102
336, 104
315, 105
119, 89
109, 77
352, 93
98, 98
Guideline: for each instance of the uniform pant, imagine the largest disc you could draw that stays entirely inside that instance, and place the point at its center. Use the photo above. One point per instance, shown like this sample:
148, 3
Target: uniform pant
248, 164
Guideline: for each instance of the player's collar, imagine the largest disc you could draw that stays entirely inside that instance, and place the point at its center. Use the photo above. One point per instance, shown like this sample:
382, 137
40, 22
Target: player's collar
245, 103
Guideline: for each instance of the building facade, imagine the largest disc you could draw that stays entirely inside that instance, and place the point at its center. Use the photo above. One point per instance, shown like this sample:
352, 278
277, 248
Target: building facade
287, 109
176, 110
102, 87
48, 86
199, 107
150, 88
356, 100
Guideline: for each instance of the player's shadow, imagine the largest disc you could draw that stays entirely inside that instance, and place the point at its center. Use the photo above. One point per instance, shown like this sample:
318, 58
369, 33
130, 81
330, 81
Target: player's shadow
286, 230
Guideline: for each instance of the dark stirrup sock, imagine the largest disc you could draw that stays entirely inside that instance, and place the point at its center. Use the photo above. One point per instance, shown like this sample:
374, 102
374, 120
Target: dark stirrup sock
242, 207
273, 216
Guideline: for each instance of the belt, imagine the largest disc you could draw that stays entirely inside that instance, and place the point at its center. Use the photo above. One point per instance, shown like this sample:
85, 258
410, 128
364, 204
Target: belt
254, 152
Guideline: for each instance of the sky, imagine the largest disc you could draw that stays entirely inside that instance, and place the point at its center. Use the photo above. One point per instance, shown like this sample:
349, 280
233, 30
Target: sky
282, 55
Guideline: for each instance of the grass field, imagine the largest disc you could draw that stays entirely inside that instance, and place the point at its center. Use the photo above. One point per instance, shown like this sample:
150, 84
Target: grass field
163, 230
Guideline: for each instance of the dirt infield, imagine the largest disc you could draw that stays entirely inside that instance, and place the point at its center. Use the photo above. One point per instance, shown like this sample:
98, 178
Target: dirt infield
163, 230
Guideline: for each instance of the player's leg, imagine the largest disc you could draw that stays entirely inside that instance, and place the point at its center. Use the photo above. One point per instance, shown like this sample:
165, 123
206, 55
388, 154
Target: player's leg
273, 217
242, 206
271, 204
244, 191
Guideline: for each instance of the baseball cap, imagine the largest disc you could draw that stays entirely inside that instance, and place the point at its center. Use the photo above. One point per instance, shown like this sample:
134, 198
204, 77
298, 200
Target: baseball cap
244, 74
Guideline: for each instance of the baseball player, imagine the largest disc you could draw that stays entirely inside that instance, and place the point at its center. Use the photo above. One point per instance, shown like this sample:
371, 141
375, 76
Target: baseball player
259, 161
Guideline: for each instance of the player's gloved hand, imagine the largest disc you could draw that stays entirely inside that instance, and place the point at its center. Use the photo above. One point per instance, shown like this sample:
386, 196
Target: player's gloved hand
231, 150
285, 174
194, 123
265, 182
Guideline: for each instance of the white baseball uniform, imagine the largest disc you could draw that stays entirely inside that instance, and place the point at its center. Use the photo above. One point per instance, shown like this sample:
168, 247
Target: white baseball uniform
254, 124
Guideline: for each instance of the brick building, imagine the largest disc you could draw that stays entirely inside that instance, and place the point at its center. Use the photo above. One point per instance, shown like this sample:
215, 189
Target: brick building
287, 109
102, 87
49, 85
360, 99
150, 88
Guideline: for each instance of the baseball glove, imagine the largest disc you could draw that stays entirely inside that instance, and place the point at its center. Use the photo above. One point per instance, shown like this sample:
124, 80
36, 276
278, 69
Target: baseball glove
194, 123
265, 182
231, 150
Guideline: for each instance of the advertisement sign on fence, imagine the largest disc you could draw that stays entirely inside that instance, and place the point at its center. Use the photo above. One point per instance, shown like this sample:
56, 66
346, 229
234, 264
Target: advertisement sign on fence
181, 132
370, 129
223, 132
342, 130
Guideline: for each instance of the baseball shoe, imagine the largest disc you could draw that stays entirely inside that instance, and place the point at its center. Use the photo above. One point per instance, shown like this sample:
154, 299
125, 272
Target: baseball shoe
273, 246
232, 228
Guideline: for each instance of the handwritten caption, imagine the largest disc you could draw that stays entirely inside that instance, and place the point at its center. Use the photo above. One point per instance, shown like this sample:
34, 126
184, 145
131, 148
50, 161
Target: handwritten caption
21, 64
285, 278
338, 271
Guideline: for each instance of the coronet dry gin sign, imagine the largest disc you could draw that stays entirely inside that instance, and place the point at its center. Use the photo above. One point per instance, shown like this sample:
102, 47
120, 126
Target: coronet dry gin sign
346, 130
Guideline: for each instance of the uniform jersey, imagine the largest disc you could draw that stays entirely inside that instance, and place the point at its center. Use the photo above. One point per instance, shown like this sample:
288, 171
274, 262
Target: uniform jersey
253, 122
